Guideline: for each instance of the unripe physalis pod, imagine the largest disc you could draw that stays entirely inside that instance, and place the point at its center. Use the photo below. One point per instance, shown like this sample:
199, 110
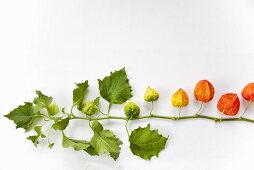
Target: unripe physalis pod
229, 104
248, 92
204, 91
151, 94
180, 98
53, 109
131, 110
89, 108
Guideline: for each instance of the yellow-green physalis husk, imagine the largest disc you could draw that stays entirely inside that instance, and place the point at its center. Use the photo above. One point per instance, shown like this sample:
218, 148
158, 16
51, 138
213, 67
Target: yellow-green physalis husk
131, 110
180, 98
151, 94
89, 108
53, 109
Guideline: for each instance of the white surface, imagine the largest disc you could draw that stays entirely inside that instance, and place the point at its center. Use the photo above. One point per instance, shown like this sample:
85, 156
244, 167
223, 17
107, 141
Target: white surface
49, 45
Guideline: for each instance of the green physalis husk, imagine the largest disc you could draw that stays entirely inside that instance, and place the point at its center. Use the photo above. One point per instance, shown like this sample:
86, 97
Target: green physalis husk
53, 109
151, 94
131, 109
89, 108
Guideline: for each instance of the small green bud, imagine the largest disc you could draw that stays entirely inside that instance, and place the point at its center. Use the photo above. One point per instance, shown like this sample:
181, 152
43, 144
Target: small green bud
53, 109
151, 94
89, 108
131, 109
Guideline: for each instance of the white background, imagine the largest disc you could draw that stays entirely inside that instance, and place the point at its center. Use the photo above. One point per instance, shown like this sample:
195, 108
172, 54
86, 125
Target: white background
49, 45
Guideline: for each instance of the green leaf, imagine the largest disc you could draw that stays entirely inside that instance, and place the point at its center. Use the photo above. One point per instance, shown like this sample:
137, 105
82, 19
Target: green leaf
146, 143
115, 88
114, 155
42, 101
97, 101
38, 131
24, 116
79, 94
96, 126
50, 145
61, 124
77, 145
91, 151
104, 141
35, 138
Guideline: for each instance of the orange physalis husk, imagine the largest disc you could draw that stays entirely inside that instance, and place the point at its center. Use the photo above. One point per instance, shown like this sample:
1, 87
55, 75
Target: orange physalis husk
248, 92
229, 104
204, 91
180, 98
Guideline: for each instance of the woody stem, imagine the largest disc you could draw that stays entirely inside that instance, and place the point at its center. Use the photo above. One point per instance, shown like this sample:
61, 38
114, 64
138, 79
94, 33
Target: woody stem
174, 118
